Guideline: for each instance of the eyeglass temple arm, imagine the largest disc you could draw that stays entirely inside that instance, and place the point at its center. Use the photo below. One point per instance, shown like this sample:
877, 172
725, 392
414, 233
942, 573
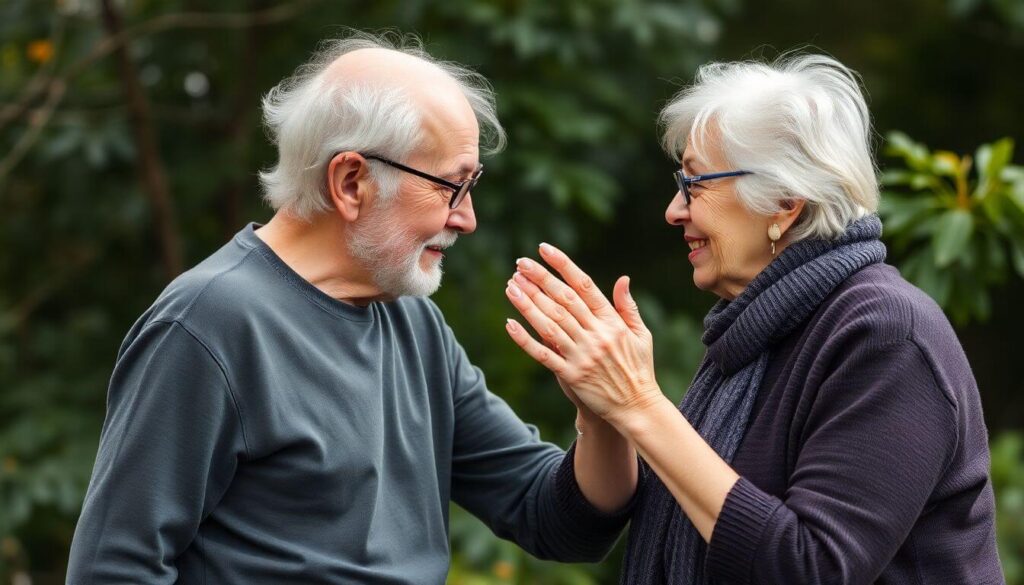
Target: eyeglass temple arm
708, 177
413, 171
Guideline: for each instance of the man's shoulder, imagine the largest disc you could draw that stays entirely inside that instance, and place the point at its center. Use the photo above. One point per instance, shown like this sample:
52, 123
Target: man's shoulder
225, 282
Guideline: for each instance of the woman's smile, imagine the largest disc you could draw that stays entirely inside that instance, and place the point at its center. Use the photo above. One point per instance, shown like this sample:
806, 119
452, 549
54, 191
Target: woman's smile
696, 245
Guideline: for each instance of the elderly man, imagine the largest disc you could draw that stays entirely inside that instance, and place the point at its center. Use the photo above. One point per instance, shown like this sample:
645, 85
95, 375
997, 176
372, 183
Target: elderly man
292, 410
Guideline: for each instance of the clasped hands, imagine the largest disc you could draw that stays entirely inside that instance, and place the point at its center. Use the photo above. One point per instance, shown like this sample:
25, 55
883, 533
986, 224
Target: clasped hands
602, 353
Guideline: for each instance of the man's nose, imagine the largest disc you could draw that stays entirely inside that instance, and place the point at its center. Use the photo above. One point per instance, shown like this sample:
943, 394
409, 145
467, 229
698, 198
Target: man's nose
462, 219
678, 211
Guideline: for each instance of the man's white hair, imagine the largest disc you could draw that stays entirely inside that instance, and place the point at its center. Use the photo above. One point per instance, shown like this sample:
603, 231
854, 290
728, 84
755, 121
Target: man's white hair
800, 124
310, 118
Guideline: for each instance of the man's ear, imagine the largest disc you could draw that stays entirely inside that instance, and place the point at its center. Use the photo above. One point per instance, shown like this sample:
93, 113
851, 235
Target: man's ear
349, 185
790, 212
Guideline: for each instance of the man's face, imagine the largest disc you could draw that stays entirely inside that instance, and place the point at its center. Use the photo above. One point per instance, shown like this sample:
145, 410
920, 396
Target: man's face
402, 260
401, 241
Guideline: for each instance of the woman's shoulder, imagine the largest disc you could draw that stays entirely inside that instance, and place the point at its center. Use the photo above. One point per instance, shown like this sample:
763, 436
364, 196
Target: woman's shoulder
878, 310
877, 298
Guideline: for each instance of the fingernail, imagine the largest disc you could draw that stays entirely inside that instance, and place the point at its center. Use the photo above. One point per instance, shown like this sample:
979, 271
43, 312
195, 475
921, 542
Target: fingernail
514, 290
512, 325
628, 282
519, 278
547, 248
525, 263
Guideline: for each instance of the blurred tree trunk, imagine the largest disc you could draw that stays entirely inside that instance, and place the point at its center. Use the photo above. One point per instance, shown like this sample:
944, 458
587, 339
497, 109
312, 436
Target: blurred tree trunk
238, 128
151, 168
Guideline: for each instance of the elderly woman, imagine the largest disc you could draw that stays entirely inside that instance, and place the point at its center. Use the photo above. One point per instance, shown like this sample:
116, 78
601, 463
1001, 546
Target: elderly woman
833, 432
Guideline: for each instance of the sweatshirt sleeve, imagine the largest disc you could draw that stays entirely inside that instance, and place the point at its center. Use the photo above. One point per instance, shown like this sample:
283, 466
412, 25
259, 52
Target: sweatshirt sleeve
170, 445
522, 488
879, 435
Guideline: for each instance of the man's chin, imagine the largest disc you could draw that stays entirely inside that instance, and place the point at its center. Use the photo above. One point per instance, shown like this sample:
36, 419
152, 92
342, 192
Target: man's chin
421, 284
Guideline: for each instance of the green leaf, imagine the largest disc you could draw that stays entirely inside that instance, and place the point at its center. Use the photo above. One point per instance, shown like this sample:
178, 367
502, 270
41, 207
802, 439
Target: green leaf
915, 155
895, 177
993, 258
946, 164
951, 235
937, 283
1016, 195
991, 161
1017, 255
1013, 174
1000, 155
982, 303
900, 211
982, 156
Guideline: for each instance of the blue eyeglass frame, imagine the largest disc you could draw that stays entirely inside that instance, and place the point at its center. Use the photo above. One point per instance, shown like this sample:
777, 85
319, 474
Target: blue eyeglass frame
683, 181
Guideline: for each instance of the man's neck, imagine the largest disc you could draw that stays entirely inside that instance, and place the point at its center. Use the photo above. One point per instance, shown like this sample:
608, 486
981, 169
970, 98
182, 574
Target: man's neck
317, 252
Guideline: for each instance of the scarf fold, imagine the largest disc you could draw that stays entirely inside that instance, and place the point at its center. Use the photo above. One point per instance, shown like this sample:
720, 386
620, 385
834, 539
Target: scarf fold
663, 545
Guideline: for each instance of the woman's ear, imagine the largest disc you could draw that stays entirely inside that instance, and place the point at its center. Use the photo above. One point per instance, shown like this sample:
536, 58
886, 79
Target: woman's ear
790, 212
349, 184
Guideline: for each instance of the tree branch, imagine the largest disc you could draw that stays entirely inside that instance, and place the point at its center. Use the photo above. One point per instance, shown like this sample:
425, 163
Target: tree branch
40, 80
151, 169
156, 25
36, 122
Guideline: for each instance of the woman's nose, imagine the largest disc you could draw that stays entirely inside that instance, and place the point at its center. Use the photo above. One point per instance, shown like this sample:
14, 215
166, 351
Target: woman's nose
678, 211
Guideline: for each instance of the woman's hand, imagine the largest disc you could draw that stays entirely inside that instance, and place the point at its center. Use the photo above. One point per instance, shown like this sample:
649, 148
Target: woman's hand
602, 354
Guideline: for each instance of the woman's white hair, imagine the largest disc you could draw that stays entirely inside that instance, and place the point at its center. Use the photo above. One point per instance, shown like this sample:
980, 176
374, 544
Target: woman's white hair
310, 118
800, 124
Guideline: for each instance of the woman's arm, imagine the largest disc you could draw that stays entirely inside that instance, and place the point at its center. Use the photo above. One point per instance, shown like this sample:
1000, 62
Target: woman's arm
638, 413
605, 465
871, 453
605, 354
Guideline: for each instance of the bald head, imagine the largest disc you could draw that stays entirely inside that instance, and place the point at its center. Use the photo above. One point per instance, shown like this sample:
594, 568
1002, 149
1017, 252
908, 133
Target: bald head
377, 95
443, 107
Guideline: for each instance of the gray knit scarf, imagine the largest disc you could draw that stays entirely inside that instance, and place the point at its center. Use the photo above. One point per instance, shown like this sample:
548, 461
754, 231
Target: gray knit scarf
664, 546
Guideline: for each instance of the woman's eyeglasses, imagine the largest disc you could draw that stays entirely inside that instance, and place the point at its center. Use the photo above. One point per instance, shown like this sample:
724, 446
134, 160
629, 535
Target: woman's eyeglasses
683, 181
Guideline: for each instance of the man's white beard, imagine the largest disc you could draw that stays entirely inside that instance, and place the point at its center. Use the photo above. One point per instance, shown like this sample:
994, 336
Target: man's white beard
392, 255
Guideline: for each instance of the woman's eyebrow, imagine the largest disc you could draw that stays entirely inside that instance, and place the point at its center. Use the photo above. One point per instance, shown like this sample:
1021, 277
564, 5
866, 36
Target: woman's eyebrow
688, 164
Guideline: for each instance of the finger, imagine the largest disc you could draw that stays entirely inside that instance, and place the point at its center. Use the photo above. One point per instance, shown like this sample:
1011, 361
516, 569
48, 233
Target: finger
627, 307
553, 310
557, 290
543, 355
549, 331
580, 281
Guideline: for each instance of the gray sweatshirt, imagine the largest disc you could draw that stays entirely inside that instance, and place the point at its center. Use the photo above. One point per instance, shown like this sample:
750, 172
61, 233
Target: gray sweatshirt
259, 431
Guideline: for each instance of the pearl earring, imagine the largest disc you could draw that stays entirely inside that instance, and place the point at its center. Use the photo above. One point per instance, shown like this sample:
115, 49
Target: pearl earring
774, 233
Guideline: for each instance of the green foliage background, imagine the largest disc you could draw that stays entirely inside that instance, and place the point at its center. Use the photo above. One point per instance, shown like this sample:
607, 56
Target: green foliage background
579, 85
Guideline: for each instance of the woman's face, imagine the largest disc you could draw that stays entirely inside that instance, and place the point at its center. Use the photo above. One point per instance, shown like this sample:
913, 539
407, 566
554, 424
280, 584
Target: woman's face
729, 244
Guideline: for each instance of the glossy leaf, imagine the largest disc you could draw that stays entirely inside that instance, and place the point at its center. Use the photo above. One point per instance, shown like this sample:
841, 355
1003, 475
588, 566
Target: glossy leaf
952, 234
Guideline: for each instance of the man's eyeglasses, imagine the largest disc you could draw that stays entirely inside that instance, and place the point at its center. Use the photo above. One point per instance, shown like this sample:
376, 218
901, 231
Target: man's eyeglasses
684, 182
459, 190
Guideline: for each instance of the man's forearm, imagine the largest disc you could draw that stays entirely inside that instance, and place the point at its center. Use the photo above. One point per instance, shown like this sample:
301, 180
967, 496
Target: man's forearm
605, 464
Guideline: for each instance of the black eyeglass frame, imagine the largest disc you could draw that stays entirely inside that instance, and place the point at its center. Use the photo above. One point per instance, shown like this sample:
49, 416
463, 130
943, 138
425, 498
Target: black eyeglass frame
684, 182
460, 190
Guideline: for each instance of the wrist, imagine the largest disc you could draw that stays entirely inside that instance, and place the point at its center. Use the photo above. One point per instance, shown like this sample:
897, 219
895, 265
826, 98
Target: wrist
589, 423
642, 415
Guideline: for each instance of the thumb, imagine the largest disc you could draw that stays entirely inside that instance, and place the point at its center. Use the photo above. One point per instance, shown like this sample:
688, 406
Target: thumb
627, 307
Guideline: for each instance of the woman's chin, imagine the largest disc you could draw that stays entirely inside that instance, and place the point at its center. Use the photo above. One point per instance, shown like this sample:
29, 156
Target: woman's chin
701, 281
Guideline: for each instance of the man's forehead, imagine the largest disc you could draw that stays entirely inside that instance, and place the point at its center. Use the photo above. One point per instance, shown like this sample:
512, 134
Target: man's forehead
451, 136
